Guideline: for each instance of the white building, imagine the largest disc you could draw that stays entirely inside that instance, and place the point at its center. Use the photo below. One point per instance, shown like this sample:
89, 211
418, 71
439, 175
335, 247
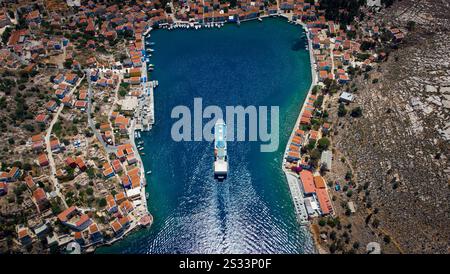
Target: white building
374, 3
373, 248
346, 97
326, 158
73, 3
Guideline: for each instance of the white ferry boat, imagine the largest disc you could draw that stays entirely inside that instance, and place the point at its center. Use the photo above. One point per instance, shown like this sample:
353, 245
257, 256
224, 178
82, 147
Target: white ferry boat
220, 151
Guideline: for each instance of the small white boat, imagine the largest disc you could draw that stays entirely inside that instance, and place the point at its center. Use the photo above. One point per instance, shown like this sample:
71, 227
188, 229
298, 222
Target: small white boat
149, 172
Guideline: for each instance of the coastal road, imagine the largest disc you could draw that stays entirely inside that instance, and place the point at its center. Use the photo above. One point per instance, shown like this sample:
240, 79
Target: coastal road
294, 186
51, 160
109, 149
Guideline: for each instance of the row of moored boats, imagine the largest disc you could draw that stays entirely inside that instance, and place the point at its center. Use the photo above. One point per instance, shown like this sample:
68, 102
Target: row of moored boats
195, 25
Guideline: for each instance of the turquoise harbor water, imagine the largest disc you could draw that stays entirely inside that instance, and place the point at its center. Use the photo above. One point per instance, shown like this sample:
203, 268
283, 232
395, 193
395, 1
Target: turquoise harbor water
261, 64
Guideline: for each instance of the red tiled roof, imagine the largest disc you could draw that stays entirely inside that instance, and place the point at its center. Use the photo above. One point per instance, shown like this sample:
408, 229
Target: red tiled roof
324, 200
319, 182
39, 195
83, 218
307, 180
64, 215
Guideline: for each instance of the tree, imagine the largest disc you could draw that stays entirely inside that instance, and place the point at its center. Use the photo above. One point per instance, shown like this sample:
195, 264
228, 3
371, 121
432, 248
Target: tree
333, 235
316, 89
333, 248
56, 209
318, 103
57, 128
315, 156
68, 64
322, 222
387, 3
341, 110
88, 133
91, 174
356, 112
395, 185
411, 25
122, 92
27, 166
323, 144
102, 202
311, 145
332, 10
331, 222
367, 45
348, 212
376, 223
89, 191
348, 175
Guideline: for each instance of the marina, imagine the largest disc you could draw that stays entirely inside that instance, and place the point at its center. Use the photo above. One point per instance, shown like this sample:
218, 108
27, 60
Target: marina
145, 114
255, 193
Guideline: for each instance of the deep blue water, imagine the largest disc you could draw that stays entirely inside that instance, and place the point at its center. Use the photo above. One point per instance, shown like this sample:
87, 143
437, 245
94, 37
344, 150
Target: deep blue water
261, 64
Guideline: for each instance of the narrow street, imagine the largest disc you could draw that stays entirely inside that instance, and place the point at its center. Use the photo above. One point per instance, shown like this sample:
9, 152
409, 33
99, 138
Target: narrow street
109, 149
51, 160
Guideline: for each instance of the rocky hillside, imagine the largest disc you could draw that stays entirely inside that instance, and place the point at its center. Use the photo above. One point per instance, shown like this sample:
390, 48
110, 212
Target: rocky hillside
399, 149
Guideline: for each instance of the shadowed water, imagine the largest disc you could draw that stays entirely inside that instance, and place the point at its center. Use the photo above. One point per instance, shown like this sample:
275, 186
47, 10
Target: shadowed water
261, 64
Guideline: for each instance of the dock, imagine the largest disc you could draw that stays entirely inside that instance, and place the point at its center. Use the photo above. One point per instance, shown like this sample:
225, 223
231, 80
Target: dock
145, 113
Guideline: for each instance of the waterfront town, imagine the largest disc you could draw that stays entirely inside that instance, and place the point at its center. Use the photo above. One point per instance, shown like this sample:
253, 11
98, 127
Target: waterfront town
74, 83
